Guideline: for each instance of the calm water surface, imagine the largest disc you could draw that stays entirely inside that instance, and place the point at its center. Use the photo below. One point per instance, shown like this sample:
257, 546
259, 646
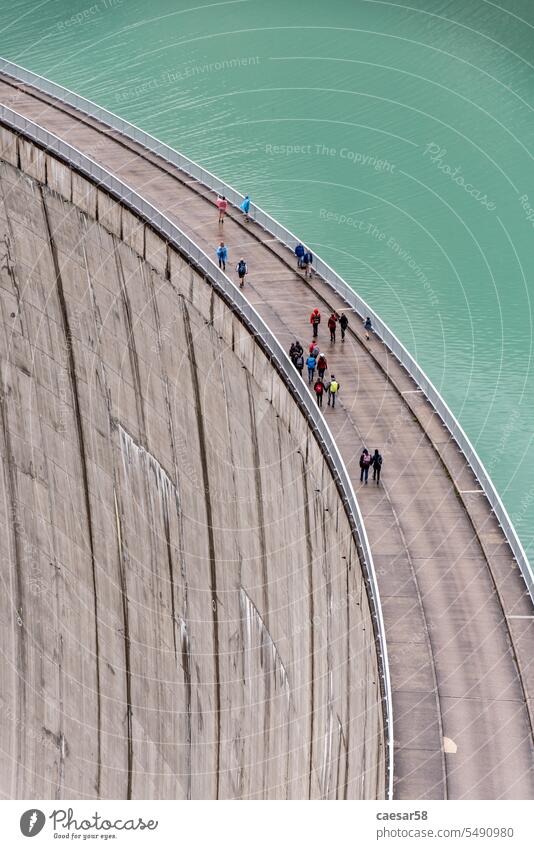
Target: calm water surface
395, 138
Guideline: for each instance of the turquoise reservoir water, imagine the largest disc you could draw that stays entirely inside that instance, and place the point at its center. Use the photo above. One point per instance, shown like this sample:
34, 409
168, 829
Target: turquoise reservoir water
394, 138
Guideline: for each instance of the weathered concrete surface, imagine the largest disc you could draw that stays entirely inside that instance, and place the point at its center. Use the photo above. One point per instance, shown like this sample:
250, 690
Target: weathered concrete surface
459, 622
183, 613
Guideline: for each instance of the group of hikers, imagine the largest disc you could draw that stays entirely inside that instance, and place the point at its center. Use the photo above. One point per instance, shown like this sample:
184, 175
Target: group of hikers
222, 250
315, 360
315, 320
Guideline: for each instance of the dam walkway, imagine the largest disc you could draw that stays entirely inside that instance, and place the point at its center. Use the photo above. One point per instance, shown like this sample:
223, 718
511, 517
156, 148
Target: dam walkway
459, 621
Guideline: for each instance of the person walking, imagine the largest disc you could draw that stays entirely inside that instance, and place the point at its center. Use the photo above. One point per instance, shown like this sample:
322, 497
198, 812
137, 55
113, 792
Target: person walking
368, 326
245, 206
365, 462
299, 363
222, 255
314, 349
306, 263
222, 206
322, 365
242, 271
299, 253
315, 320
332, 326
298, 347
333, 389
343, 323
319, 391
310, 362
376, 461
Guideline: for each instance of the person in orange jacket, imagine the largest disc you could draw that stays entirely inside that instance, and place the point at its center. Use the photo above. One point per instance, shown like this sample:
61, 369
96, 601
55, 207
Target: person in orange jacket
315, 320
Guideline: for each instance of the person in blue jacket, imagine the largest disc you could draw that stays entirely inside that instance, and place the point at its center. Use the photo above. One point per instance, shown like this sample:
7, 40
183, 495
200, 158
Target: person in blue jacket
245, 206
299, 253
222, 255
310, 362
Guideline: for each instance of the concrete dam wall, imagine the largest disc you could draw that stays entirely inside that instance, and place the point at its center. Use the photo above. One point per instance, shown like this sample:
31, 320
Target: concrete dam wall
183, 612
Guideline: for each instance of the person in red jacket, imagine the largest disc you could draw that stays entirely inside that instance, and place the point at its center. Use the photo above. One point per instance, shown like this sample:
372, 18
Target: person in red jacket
332, 325
322, 365
315, 320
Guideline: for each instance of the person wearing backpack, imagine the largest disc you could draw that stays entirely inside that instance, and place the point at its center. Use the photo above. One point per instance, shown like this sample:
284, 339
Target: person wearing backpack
315, 320
376, 461
319, 390
314, 349
242, 271
310, 362
365, 462
222, 206
222, 255
299, 363
343, 323
332, 325
333, 389
299, 253
322, 365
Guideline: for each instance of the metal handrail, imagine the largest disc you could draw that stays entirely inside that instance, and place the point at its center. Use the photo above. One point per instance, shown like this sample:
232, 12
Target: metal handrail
278, 357
334, 281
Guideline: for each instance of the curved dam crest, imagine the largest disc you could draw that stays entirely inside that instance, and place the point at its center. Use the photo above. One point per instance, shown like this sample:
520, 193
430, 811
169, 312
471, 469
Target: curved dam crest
452, 575
185, 614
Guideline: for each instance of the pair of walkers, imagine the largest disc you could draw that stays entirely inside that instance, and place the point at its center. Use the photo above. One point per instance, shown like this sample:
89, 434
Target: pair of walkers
304, 259
322, 388
366, 461
241, 267
222, 205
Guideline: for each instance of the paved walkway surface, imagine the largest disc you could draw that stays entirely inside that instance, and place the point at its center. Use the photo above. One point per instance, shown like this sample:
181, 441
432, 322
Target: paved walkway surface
459, 623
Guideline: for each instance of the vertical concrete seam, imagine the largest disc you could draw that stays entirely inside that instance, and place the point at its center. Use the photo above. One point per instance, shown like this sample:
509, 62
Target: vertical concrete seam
211, 540
85, 474
127, 657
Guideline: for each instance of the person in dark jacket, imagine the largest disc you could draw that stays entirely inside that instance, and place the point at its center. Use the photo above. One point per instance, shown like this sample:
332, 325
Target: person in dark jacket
365, 462
242, 271
299, 363
299, 253
368, 327
343, 323
377, 465
306, 262
319, 391
332, 326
